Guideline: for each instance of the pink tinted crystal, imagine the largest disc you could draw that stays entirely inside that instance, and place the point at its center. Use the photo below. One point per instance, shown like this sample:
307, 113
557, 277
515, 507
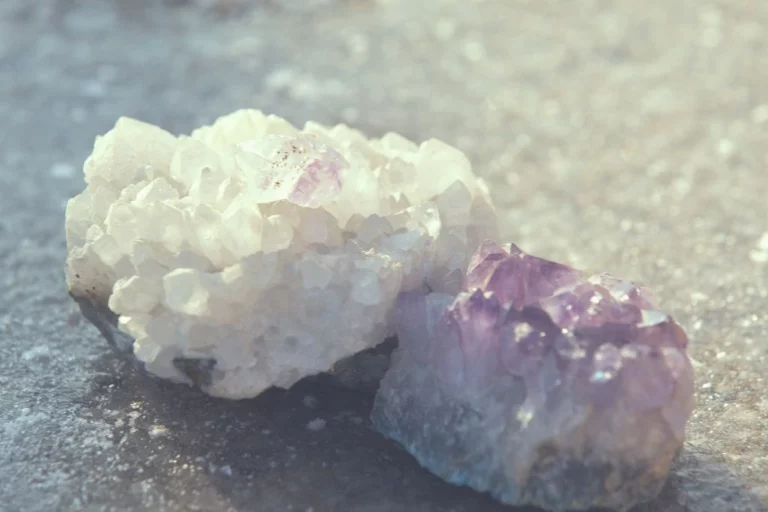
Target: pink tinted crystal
301, 169
322, 176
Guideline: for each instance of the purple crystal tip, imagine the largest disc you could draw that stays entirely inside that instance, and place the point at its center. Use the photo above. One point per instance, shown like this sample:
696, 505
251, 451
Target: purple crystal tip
539, 384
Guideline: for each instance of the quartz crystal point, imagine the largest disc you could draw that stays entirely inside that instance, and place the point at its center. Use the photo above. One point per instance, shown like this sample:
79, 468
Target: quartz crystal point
251, 253
539, 384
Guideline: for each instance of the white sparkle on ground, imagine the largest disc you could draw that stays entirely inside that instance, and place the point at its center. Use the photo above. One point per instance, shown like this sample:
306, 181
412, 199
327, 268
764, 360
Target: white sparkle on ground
316, 425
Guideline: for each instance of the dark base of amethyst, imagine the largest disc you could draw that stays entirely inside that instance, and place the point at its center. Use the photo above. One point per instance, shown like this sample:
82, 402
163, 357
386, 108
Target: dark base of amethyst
446, 437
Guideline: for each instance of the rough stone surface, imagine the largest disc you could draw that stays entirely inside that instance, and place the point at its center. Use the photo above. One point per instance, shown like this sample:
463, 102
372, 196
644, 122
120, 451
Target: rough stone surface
539, 384
251, 254
625, 136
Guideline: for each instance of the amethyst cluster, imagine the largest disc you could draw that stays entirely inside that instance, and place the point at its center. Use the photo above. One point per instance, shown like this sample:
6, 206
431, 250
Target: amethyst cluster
539, 384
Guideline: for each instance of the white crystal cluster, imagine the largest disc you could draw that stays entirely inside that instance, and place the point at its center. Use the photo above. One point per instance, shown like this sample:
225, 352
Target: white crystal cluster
272, 251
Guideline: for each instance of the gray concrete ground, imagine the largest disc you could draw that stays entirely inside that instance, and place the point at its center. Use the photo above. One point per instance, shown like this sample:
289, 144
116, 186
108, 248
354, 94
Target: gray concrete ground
617, 135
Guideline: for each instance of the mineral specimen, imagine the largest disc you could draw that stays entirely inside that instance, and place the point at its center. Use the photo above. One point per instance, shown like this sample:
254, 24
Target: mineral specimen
539, 384
251, 253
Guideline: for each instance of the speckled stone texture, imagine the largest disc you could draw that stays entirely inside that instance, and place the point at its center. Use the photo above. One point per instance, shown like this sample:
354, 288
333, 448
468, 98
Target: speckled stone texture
623, 136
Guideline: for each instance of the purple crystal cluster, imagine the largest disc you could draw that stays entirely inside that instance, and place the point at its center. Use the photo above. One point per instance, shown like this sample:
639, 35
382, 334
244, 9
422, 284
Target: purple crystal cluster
539, 384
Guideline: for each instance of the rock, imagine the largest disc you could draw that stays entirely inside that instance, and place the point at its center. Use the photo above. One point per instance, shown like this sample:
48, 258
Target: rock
539, 384
251, 253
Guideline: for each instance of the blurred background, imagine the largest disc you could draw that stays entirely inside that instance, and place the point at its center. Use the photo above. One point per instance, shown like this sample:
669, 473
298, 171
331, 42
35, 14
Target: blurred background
616, 135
